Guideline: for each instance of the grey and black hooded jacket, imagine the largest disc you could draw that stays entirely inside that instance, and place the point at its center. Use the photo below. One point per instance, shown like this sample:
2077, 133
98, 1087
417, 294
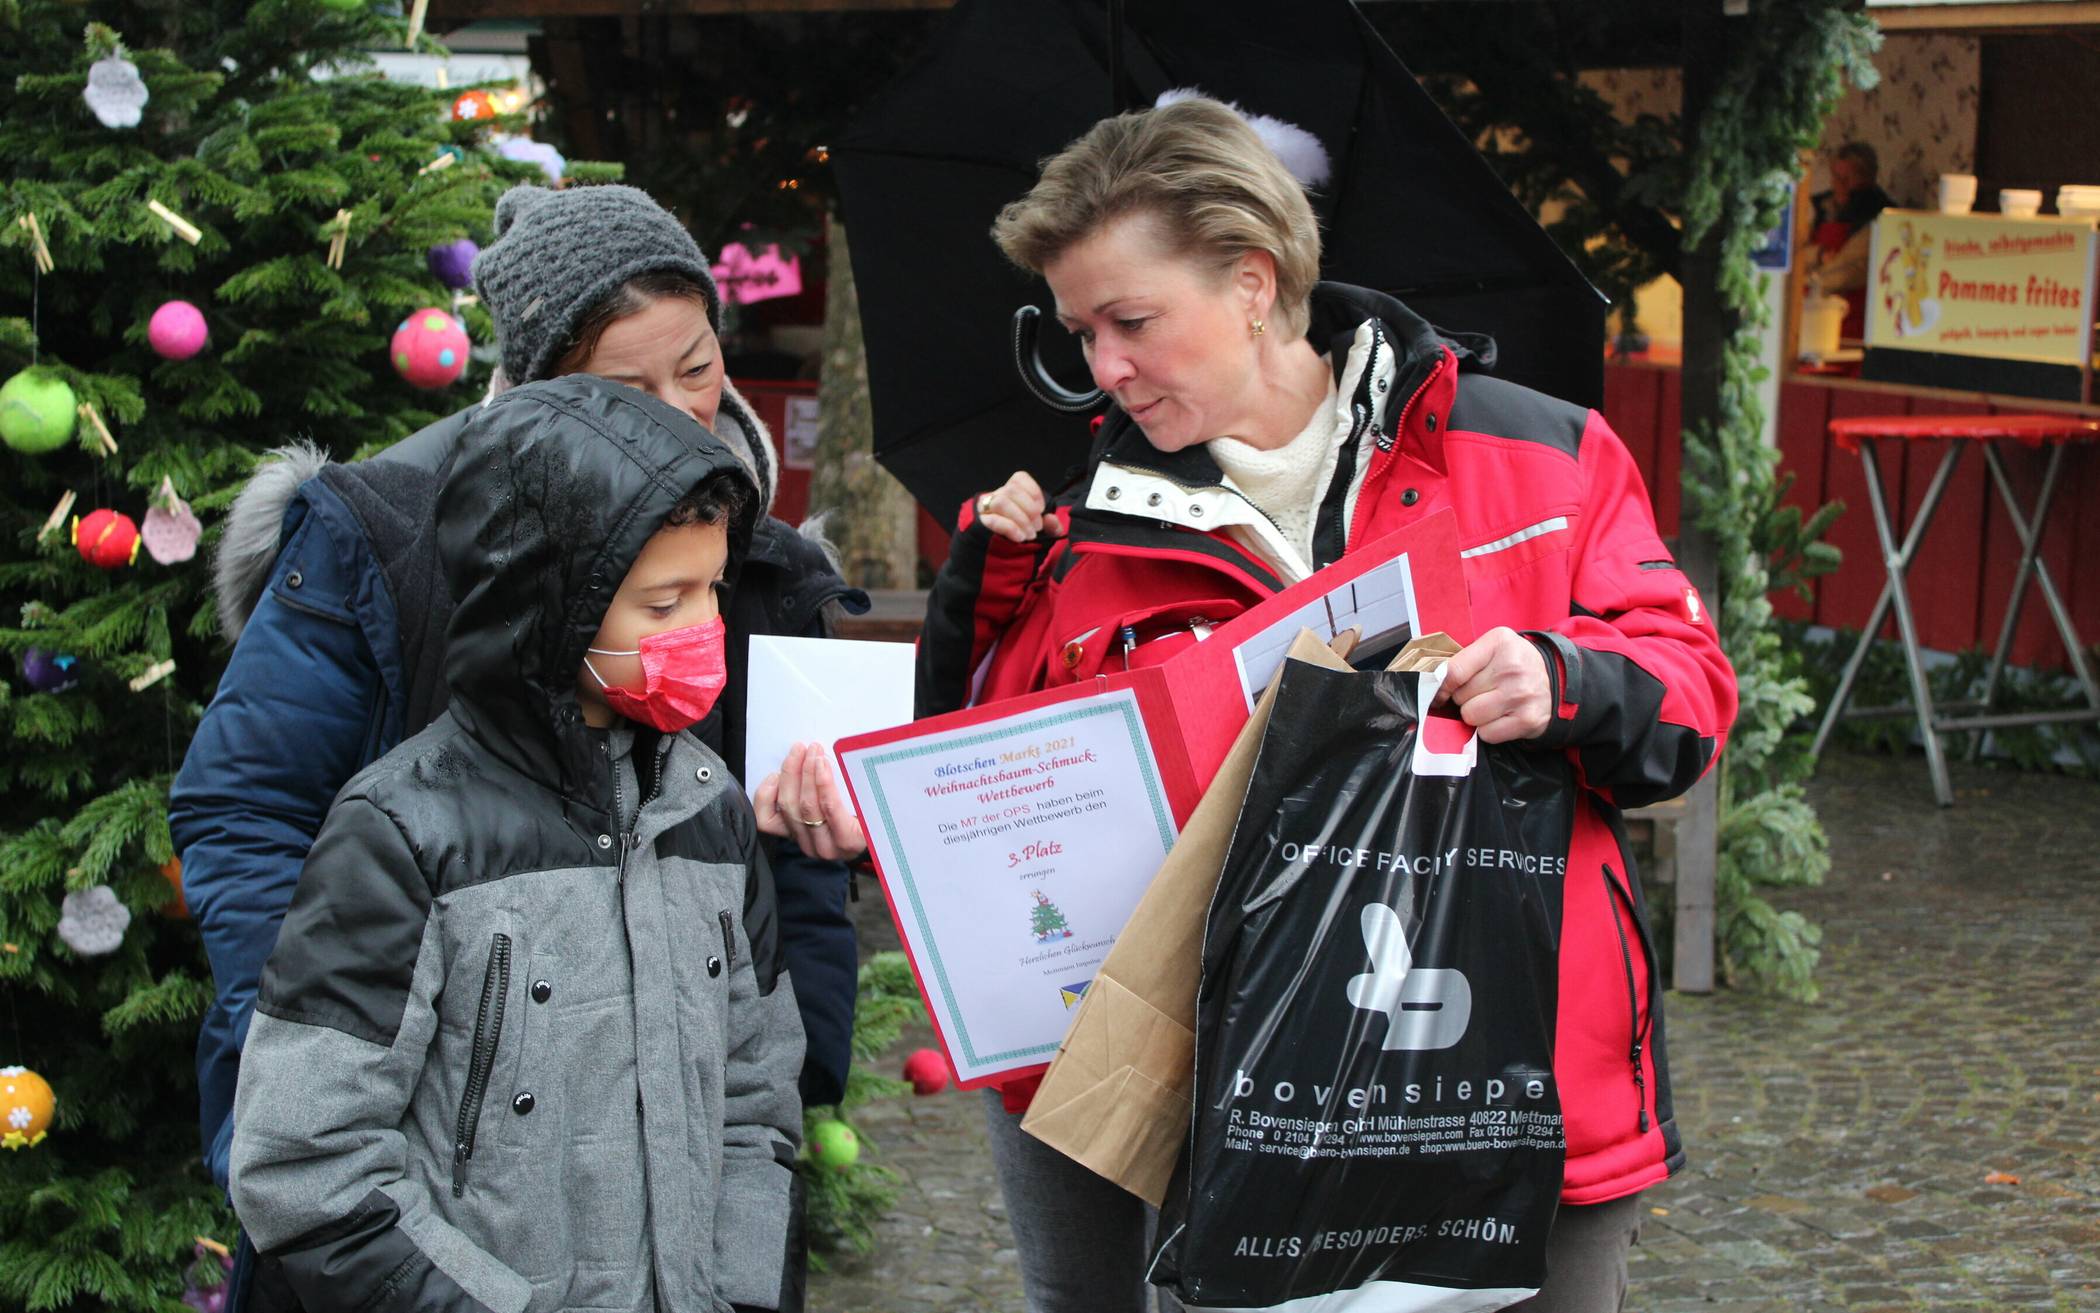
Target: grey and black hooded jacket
511, 1051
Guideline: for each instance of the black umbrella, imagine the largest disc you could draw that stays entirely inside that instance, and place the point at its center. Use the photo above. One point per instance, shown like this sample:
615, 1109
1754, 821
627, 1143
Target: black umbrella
1411, 209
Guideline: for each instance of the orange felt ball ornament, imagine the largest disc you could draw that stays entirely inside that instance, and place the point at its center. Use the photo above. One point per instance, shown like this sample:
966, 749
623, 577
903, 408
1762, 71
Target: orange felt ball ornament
473, 107
26, 1105
106, 539
171, 871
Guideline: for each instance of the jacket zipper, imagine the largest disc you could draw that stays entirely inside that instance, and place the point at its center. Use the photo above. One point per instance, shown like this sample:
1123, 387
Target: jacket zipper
630, 826
1388, 449
488, 1032
728, 939
1633, 1000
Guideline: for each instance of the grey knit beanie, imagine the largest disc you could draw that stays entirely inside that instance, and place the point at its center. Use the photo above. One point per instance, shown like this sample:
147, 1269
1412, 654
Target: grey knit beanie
557, 254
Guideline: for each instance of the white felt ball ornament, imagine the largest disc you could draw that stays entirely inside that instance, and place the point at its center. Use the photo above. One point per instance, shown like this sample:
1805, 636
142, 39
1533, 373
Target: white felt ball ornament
115, 92
429, 349
527, 151
177, 330
92, 921
170, 528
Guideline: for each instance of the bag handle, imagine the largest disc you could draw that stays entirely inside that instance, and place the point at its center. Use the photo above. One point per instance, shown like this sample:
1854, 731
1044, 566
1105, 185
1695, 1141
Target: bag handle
1427, 761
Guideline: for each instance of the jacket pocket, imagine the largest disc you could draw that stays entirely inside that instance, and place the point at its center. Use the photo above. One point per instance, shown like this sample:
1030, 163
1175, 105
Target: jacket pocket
488, 1033
1118, 642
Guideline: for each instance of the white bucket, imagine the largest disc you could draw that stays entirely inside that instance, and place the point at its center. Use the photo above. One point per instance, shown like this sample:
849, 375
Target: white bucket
1822, 318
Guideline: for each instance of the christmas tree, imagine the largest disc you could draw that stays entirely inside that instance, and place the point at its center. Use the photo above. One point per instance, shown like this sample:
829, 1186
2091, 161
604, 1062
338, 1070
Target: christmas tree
215, 219
1045, 922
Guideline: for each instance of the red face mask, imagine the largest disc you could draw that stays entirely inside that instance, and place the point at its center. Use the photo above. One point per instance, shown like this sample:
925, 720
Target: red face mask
683, 671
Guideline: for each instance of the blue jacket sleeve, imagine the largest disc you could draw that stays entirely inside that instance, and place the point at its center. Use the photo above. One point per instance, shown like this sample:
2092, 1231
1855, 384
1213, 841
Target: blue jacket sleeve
295, 716
822, 957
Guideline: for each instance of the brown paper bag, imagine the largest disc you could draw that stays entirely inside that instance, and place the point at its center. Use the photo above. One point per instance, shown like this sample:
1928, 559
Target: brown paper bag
1116, 1097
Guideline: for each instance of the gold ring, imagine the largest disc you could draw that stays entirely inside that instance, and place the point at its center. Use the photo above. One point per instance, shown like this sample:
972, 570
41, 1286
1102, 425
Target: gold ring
811, 823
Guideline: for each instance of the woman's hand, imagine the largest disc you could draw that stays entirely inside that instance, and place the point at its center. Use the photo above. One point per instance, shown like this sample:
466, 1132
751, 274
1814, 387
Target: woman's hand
1015, 509
802, 802
1498, 683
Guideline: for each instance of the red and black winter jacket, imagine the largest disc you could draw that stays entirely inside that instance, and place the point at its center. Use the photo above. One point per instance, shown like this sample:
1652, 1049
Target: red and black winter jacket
1559, 542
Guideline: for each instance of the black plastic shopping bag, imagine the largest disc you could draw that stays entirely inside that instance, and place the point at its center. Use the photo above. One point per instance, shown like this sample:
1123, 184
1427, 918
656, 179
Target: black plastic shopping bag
1376, 1125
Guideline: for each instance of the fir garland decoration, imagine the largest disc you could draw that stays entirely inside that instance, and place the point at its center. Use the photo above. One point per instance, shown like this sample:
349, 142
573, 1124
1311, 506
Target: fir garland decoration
1787, 70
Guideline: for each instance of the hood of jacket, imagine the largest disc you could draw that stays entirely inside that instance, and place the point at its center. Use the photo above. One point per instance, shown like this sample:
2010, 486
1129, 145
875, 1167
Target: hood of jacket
553, 490
254, 531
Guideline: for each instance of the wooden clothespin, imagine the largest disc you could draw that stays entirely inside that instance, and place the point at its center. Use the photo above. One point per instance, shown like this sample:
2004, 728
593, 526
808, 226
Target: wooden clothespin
444, 79
154, 674
438, 165
38, 250
58, 516
93, 419
182, 227
213, 1245
340, 242
417, 12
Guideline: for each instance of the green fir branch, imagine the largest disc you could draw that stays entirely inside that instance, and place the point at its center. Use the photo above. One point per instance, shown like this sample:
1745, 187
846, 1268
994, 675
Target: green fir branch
1787, 71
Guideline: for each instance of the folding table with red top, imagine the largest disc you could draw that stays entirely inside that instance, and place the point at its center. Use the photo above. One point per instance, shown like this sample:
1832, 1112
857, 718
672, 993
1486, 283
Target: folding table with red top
2059, 433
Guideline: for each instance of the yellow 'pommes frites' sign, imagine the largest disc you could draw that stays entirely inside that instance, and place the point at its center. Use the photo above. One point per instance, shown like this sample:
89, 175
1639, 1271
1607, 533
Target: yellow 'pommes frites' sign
1983, 285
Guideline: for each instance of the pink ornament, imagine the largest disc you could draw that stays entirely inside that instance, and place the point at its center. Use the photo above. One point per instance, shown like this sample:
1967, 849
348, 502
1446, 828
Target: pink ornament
745, 277
177, 330
927, 1070
170, 529
429, 349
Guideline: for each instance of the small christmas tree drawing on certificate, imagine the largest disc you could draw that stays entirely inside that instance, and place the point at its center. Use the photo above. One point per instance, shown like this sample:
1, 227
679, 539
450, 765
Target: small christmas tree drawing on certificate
1046, 922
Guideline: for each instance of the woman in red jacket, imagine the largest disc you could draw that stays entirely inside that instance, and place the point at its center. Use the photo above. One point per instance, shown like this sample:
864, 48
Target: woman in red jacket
1263, 426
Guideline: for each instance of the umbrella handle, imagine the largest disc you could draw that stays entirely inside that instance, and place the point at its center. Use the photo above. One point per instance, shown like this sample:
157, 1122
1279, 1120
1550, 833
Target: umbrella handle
1028, 361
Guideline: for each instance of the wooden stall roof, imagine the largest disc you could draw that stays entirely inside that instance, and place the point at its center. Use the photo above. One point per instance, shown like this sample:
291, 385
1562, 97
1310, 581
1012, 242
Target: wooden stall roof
447, 12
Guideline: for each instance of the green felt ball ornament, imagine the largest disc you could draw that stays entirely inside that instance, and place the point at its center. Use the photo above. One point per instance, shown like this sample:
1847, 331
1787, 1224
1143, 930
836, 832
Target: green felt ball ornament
37, 412
834, 1145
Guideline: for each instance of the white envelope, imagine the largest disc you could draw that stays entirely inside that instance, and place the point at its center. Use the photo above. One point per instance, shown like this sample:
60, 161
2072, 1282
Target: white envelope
820, 690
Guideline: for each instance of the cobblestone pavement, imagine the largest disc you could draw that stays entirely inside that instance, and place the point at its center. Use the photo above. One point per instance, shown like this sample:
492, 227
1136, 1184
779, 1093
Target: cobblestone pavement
1925, 1137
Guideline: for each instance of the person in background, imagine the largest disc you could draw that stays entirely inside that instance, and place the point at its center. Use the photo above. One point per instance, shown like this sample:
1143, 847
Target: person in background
1263, 425
327, 582
1841, 232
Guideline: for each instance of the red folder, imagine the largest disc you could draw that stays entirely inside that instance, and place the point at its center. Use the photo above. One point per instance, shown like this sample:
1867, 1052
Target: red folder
1194, 703
1210, 704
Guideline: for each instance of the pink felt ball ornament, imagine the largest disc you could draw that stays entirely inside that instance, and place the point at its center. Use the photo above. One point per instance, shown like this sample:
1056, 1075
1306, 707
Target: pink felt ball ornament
927, 1071
429, 349
177, 330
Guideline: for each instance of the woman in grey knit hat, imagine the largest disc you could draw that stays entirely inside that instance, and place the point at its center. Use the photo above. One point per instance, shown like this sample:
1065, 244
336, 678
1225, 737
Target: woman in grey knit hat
603, 280
328, 584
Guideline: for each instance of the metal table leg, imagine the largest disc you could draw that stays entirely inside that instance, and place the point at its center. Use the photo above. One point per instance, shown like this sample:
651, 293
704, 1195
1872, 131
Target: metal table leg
2030, 534
1896, 561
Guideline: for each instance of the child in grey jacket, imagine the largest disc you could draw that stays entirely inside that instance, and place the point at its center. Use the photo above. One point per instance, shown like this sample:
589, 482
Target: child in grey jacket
523, 1043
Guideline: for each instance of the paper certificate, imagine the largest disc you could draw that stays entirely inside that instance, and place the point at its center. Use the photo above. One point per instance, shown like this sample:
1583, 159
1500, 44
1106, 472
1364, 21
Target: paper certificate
1013, 850
1379, 604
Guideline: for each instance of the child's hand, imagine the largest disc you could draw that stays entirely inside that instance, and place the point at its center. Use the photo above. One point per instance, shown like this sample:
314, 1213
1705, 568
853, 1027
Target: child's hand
801, 801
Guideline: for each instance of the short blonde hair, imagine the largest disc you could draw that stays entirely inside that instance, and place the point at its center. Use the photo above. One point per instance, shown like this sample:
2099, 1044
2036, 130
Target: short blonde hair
1213, 186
